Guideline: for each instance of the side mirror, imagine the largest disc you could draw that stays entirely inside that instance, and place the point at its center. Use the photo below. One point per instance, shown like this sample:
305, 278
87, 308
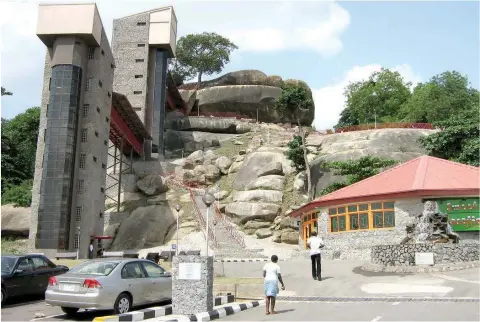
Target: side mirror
167, 274
18, 271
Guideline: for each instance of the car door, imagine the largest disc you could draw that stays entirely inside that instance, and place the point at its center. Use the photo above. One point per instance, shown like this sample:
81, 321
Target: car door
42, 272
159, 283
134, 277
21, 281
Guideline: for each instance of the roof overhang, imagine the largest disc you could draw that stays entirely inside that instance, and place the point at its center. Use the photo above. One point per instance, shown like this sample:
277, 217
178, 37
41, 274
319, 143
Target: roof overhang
397, 195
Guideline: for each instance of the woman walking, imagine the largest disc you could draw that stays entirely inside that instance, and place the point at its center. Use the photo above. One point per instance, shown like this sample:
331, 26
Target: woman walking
271, 275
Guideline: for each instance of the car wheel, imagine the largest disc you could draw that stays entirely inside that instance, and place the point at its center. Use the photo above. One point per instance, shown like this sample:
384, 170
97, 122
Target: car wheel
69, 310
4, 296
123, 304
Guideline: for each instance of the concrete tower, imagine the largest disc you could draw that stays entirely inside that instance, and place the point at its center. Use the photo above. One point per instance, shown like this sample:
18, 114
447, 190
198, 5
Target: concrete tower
69, 183
141, 44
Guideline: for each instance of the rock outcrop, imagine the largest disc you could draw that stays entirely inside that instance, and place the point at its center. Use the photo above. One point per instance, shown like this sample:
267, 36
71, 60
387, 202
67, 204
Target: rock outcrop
15, 221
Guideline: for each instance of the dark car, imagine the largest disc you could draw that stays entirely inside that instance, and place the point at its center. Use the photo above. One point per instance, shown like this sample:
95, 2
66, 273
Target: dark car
27, 274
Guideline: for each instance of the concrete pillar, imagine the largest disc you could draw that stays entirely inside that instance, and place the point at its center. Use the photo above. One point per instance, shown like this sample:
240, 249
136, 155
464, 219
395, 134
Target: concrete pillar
192, 284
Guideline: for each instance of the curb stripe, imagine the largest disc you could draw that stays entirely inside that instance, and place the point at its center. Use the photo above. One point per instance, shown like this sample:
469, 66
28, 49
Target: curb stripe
219, 313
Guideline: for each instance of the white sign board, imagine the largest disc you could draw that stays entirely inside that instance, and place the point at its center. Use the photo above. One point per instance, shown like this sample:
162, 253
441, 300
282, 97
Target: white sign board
189, 271
424, 259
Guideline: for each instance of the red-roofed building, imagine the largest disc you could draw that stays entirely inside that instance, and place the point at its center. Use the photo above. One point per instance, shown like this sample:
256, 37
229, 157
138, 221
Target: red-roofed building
376, 210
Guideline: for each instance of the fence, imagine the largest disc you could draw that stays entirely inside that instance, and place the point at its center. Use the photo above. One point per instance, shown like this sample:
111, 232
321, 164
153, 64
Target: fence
201, 219
228, 226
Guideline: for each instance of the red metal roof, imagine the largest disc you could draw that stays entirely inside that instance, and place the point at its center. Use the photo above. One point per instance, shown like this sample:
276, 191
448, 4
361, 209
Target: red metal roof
424, 176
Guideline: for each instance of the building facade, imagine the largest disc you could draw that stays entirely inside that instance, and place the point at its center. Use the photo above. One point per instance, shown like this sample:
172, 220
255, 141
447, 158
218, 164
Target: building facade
377, 210
142, 44
71, 160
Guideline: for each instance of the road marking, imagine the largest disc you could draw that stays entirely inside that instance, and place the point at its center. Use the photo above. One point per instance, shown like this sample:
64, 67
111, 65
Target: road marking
396, 303
458, 279
52, 316
376, 319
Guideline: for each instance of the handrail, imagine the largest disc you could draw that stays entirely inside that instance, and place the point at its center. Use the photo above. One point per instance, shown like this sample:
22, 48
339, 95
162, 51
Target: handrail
231, 230
202, 220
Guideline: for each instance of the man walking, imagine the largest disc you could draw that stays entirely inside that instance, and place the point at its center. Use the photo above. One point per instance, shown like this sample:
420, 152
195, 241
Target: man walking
314, 243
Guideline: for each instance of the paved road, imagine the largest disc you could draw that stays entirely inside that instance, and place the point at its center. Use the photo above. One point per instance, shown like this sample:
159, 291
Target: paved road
21, 310
373, 312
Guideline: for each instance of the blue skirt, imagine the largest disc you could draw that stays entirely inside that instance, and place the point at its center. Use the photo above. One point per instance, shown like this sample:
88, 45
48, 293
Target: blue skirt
270, 288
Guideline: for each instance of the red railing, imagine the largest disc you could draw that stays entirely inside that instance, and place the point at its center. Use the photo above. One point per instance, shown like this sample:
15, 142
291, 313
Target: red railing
392, 125
230, 229
220, 114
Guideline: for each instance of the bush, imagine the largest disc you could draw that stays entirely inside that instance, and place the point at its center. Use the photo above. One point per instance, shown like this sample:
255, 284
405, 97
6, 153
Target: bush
295, 153
20, 195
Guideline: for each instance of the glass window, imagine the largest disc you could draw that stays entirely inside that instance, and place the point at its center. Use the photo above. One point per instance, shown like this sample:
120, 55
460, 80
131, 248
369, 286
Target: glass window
354, 224
389, 219
378, 219
25, 265
377, 205
78, 214
332, 211
352, 208
342, 223
84, 135
341, 210
133, 270
40, 263
363, 218
334, 224
82, 160
153, 270
94, 268
388, 205
363, 207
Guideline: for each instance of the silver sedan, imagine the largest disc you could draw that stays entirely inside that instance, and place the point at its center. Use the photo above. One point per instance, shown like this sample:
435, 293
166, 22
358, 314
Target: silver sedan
106, 284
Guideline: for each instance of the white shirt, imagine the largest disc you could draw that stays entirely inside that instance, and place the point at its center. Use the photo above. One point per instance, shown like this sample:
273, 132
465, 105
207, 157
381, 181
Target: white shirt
314, 242
272, 270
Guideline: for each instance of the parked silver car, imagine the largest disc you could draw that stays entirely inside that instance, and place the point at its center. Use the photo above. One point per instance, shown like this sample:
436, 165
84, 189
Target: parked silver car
106, 284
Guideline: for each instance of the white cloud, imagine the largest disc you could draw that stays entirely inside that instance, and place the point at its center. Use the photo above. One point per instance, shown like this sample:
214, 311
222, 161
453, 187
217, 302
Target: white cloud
254, 26
330, 100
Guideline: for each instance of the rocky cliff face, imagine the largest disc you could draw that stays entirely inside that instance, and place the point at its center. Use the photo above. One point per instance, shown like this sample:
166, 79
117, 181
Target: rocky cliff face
244, 93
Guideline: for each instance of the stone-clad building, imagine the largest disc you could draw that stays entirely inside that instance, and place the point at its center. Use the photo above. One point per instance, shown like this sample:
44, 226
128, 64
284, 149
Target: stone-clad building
70, 167
377, 210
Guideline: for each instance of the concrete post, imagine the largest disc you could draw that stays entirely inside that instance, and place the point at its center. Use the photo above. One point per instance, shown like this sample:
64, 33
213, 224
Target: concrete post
192, 284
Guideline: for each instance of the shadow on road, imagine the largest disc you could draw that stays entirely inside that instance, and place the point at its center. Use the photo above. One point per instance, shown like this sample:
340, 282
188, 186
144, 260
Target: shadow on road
360, 271
23, 300
285, 311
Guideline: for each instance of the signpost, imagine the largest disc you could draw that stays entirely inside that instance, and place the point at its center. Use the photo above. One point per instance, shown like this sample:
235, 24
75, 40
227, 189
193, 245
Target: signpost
189, 271
424, 259
463, 213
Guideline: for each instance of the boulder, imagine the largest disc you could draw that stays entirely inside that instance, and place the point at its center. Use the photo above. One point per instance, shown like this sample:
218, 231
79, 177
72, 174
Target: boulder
263, 233
257, 224
246, 211
270, 182
15, 221
238, 142
152, 185
289, 237
237, 165
286, 223
277, 237
145, 227
189, 97
209, 157
254, 162
242, 152
269, 196
220, 195
196, 157
208, 174
215, 142
272, 168
224, 164
189, 176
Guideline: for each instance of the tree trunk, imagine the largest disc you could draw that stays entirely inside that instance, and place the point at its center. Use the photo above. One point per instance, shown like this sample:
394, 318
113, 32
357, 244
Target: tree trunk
307, 165
199, 83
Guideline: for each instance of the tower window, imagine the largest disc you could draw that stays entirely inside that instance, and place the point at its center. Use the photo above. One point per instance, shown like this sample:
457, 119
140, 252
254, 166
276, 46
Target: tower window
84, 135
94, 159
86, 108
137, 92
112, 65
138, 76
98, 109
137, 108
109, 94
91, 52
139, 60
78, 214
87, 85
105, 142
140, 45
102, 190
103, 52
141, 23
96, 134
107, 119
80, 186
82, 160
104, 166
75, 242
100, 83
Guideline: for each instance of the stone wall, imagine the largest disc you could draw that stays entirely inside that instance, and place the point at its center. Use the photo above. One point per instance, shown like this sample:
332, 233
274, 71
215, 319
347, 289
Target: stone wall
357, 245
469, 237
404, 255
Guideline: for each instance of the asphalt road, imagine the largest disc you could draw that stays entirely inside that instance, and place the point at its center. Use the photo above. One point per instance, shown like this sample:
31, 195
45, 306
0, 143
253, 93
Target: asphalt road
27, 310
373, 312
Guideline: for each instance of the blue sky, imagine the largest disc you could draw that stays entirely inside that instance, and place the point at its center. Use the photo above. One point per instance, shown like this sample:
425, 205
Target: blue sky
326, 44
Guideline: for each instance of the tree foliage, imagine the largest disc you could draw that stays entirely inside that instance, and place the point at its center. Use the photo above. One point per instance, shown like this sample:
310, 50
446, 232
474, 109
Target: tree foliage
202, 54
18, 195
295, 98
355, 170
382, 95
295, 153
458, 139
5, 92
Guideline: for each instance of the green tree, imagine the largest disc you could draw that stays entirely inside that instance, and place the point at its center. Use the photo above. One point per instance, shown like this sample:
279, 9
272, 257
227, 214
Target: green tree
19, 195
295, 153
380, 97
203, 54
458, 139
445, 94
5, 92
355, 170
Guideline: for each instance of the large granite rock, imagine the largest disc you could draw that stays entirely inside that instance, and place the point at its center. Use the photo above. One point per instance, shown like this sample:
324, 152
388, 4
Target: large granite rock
395, 144
15, 221
272, 168
271, 196
263, 233
145, 227
270, 182
254, 162
152, 185
205, 124
255, 224
223, 163
245, 211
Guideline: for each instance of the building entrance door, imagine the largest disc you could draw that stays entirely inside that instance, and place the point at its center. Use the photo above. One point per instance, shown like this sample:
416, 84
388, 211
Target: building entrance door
309, 224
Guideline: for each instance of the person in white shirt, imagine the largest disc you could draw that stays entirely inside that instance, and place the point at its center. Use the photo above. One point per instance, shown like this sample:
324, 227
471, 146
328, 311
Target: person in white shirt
314, 243
271, 275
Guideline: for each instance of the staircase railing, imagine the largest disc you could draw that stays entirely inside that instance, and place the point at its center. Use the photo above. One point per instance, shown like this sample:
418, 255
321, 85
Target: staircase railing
228, 226
201, 220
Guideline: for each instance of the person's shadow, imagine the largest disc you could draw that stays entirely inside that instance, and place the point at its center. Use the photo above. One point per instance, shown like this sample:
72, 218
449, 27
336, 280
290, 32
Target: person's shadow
285, 311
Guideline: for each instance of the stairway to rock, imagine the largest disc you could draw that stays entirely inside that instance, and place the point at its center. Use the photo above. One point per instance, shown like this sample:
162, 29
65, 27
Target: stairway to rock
229, 243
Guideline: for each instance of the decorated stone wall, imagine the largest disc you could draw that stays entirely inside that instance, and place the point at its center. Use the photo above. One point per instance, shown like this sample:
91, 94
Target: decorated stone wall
404, 255
357, 245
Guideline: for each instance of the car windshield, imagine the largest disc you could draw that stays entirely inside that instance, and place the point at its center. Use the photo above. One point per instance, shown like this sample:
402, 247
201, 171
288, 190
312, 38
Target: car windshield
94, 268
8, 263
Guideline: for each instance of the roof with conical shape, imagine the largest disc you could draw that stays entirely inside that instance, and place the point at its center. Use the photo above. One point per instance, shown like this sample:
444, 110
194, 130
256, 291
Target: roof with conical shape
424, 176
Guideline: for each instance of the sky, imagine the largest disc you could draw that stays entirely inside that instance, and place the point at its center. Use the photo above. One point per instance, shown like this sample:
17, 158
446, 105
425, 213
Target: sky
326, 44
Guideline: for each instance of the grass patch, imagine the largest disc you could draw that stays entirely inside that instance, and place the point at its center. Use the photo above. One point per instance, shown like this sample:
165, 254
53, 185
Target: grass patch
13, 246
68, 262
228, 149
290, 196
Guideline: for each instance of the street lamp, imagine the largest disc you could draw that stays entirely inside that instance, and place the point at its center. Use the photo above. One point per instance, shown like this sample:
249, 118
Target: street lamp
208, 199
78, 242
177, 208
